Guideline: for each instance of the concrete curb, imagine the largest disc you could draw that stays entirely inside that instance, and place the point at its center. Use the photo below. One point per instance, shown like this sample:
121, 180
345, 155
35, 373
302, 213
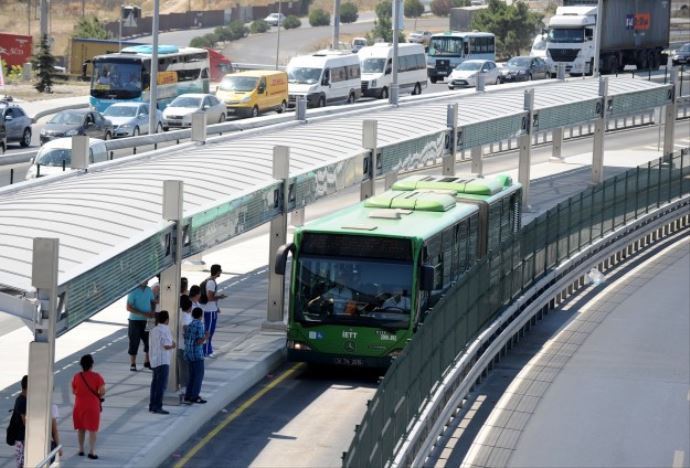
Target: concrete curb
184, 426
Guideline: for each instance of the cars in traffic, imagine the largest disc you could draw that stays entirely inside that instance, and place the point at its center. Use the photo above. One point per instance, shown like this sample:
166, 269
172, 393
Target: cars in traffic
420, 37
524, 68
179, 112
55, 157
3, 138
358, 43
681, 56
325, 77
376, 63
251, 92
131, 118
16, 123
274, 19
466, 73
68, 123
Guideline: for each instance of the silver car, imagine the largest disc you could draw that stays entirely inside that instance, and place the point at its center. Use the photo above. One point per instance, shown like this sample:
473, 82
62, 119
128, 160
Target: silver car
17, 123
131, 118
178, 114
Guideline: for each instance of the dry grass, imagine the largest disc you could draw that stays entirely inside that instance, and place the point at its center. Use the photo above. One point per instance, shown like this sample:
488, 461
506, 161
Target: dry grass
26, 92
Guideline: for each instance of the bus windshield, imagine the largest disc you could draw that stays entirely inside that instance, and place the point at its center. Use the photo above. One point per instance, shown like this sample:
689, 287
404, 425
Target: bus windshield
116, 79
375, 293
446, 46
241, 84
373, 65
299, 75
567, 35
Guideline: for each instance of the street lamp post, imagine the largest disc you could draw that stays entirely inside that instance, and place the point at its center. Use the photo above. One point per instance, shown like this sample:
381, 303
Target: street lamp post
153, 84
396, 28
280, 3
336, 25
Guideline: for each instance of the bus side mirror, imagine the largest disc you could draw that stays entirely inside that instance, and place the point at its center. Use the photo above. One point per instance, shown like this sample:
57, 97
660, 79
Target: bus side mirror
426, 278
281, 258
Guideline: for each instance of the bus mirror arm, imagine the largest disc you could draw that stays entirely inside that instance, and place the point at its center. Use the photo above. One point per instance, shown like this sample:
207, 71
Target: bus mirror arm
281, 258
426, 278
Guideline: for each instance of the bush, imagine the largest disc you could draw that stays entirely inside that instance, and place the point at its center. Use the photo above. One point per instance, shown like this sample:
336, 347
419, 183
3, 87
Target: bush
348, 12
89, 27
207, 40
413, 8
318, 17
259, 26
292, 22
237, 30
442, 7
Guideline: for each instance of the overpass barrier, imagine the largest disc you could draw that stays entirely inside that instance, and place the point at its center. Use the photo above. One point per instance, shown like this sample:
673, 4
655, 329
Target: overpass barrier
497, 299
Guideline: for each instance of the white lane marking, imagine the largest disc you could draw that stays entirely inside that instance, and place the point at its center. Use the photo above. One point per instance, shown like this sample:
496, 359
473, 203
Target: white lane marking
678, 458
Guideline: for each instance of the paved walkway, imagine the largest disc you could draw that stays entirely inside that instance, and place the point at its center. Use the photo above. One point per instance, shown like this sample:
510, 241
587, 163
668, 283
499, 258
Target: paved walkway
130, 435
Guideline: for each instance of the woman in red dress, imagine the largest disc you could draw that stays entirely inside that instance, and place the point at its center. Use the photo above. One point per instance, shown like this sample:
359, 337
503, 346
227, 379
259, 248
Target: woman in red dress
88, 388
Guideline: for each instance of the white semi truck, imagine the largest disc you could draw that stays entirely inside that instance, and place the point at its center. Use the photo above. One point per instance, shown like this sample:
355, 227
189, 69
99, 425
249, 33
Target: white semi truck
634, 32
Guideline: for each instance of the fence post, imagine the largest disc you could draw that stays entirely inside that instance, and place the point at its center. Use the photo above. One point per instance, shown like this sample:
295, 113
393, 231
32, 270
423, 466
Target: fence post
670, 122
199, 127
278, 232
301, 108
44, 277
477, 163
560, 71
481, 83
369, 142
557, 141
80, 152
452, 123
599, 133
526, 148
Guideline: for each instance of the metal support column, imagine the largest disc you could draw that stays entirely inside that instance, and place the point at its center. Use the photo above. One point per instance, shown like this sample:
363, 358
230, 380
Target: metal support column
599, 132
397, 26
557, 139
44, 276
525, 141
173, 199
335, 42
670, 117
452, 123
278, 233
477, 163
369, 142
391, 178
153, 83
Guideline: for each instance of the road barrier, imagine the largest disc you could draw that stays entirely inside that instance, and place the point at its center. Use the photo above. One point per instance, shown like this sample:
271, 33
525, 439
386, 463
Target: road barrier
502, 294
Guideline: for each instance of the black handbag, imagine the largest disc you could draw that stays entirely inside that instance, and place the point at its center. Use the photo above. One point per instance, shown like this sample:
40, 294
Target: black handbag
12, 429
101, 399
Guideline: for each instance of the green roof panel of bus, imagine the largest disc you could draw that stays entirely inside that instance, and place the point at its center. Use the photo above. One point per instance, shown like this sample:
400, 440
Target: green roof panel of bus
458, 185
416, 201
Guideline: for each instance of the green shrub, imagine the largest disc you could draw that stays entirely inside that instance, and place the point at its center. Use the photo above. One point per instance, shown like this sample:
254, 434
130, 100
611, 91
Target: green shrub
442, 7
292, 22
237, 30
207, 40
259, 26
348, 12
318, 17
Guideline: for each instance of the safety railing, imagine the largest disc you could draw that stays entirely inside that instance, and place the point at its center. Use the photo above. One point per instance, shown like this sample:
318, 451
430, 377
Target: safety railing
51, 460
450, 332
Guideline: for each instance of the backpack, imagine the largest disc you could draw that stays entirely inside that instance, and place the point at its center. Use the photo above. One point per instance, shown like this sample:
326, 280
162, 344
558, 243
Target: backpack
204, 297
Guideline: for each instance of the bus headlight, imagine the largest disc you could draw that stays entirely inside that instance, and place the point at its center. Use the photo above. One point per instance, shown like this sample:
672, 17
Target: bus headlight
298, 346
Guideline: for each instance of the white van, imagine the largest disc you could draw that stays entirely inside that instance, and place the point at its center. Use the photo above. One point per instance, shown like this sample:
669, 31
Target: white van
377, 67
325, 77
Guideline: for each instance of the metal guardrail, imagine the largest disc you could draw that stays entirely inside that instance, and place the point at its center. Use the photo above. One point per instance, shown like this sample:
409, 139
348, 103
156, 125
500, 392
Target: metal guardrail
52, 459
422, 385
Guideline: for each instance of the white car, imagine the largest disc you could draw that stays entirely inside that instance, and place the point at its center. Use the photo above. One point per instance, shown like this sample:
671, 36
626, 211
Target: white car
466, 73
131, 118
55, 157
420, 37
274, 19
178, 114
358, 43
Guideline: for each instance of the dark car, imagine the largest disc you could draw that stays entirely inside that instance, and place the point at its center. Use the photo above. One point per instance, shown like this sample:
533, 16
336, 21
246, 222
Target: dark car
524, 68
77, 122
682, 55
3, 138
17, 123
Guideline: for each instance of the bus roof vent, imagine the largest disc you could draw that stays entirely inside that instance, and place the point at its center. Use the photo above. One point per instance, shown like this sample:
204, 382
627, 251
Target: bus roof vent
389, 214
467, 185
360, 227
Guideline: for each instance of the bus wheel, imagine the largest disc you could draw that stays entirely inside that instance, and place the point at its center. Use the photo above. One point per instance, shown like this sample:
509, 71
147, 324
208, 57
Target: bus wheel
384, 93
282, 107
255, 111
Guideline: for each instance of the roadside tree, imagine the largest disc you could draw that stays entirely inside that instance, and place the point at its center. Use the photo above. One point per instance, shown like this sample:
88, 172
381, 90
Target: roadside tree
514, 26
348, 12
259, 26
413, 9
44, 64
319, 17
292, 22
90, 28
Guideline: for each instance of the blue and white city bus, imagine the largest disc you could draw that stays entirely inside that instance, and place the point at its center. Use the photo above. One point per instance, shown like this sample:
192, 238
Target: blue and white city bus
125, 76
448, 50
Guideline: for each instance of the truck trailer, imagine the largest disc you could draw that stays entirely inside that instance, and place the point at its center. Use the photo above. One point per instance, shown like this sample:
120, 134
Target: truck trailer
633, 32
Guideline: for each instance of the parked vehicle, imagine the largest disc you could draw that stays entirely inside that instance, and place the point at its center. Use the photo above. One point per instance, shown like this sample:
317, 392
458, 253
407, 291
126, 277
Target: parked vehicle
632, 33
420, 37
131, 118
539, 46
179, 113
524, 68
251, 92
377, 65
681, 56
448, 50
358, 43
17, 124
325, 77
68, 123
466, 73
55, 157
274, 19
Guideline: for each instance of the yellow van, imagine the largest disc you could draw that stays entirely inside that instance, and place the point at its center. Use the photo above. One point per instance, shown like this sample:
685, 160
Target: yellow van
249, 93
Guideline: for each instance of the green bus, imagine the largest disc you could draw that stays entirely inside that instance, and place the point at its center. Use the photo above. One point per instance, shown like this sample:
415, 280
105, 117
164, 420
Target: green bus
364, 277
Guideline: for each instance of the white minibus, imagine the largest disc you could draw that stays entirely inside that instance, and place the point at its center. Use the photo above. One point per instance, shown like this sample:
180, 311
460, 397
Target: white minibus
377, 66
325, 77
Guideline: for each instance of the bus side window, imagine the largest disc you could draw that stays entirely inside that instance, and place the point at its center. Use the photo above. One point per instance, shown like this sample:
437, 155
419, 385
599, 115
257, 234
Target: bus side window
466, 47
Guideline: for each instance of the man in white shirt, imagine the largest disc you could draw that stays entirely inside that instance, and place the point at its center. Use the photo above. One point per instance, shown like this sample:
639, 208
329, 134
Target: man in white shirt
399, 300
160, 346
339, 296
209, 289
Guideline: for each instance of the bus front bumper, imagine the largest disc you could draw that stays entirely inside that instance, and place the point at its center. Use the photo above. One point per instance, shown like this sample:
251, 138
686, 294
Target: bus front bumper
313, 357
